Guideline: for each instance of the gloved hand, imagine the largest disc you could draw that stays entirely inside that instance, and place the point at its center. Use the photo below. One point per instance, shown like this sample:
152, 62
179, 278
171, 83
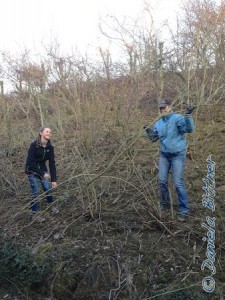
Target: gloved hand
153, 136
147, 129
189, 110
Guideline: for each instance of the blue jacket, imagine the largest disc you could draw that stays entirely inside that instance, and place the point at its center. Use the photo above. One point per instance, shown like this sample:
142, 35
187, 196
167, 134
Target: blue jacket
170, 131
37, 157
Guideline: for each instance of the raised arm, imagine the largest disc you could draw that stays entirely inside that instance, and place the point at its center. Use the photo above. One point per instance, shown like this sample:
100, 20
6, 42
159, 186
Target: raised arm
185, 124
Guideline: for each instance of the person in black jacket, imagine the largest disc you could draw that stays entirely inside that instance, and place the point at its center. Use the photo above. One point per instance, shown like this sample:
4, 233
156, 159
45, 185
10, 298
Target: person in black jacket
40, 151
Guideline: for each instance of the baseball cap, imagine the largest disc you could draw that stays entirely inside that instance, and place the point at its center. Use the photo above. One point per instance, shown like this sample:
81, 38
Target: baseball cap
164, 103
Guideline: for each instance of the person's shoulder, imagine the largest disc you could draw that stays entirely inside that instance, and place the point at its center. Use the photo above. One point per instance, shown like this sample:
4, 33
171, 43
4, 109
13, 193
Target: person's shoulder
176, 115
33, 143
158, 121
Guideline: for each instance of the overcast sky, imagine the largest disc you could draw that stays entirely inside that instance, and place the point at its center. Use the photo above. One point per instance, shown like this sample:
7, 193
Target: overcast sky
27, 24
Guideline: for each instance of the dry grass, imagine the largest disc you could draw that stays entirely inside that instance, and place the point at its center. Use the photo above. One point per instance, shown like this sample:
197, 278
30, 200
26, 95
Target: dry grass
109, 240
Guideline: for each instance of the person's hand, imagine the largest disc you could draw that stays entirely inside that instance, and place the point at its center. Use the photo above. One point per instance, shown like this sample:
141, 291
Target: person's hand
46, 176
189, 110
145, 127
54, 184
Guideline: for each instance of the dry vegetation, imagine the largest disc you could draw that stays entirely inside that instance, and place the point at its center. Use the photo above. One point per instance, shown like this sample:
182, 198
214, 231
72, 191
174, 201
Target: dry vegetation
109, 240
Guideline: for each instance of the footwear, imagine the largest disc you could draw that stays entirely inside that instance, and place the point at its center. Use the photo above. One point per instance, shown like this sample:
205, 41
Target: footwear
54, 210
183, 216
164, 206
38, 218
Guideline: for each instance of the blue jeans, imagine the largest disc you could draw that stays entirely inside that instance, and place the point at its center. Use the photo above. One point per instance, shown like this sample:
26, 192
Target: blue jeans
177, 162
35, 180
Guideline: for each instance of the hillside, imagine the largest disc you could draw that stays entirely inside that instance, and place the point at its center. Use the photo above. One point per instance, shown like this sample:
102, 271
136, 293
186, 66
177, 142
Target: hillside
109, 240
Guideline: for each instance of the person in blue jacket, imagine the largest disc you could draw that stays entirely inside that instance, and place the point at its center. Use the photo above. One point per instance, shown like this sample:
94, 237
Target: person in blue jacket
170, 130
40, 151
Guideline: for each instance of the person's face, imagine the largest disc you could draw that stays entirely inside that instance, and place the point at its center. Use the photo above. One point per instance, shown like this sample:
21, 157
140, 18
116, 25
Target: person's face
165, 110
46, 133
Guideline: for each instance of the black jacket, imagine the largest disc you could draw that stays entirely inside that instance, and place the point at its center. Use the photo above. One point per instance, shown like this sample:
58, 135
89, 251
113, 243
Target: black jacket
36, 158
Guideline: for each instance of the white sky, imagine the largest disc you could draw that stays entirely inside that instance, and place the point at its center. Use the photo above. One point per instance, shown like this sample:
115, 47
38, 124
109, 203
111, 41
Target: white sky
27, 24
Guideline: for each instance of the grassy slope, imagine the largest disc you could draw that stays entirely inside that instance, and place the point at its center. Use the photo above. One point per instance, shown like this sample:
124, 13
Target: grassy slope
109, 240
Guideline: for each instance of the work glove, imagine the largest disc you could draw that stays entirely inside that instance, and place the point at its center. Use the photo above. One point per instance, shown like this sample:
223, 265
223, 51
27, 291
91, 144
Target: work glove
153, 136
189, 110
147, 129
